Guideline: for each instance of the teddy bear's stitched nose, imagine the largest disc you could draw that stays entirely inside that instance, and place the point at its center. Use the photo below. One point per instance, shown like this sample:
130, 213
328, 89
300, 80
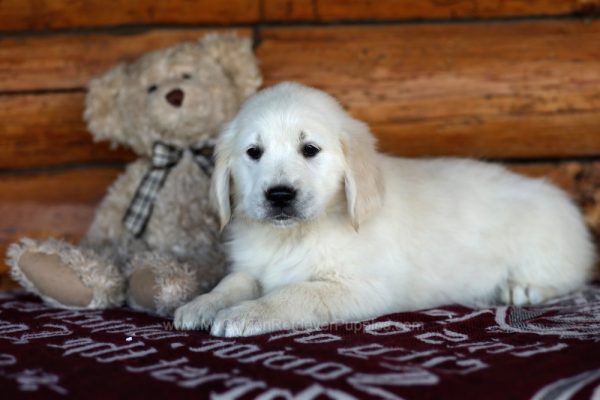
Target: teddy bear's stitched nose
175, 97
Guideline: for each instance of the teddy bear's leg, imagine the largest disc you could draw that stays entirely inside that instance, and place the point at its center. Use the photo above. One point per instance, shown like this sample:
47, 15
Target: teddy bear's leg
159, 283
64, 275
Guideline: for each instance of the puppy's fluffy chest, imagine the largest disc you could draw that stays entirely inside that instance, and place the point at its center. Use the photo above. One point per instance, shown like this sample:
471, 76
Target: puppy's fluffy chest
285, 256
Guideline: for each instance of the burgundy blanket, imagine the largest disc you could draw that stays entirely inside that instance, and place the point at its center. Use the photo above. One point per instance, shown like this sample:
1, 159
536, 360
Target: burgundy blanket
544, 352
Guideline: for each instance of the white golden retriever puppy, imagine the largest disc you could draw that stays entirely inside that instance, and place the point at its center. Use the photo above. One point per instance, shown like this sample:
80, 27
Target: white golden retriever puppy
324, 229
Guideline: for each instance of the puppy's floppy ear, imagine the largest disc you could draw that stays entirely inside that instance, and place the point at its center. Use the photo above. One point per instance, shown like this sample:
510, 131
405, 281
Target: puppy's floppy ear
363, 179
221, 177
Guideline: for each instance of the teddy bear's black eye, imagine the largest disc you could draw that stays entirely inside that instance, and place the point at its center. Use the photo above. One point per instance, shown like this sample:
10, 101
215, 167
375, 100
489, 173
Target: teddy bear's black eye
186, 76
254, 152
152, 88
310, 150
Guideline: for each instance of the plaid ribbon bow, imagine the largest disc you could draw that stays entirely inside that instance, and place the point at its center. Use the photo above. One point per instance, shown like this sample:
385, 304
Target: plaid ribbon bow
164, 158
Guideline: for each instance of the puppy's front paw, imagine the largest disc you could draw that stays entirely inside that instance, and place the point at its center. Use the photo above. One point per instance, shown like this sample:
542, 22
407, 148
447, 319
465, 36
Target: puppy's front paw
198, 313
246, 319
522, 294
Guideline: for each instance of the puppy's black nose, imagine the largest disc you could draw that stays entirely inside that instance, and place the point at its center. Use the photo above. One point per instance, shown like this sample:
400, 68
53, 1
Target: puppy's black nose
175, 97
280, 196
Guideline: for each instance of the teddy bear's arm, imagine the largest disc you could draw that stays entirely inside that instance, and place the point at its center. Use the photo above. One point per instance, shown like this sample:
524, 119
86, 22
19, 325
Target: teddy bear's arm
107, 229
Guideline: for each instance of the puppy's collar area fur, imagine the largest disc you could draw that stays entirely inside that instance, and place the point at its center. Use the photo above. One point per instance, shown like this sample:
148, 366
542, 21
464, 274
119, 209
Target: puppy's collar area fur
164, 158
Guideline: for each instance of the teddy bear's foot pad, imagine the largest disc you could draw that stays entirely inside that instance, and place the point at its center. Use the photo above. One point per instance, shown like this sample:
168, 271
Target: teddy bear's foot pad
143, 290
54, 279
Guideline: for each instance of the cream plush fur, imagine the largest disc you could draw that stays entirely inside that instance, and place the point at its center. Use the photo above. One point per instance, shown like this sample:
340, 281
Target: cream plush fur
178, 255
369, 234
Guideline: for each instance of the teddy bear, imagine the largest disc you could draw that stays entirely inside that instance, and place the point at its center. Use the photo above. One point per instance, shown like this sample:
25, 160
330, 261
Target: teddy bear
154, 241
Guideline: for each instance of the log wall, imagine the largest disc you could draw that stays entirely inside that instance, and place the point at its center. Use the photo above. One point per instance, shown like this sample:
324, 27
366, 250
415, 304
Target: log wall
511, 81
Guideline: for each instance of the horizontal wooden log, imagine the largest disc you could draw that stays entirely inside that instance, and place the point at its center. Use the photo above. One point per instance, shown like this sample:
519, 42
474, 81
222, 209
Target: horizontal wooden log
494, 136
491, 91
82, 186
57, 14
497, 90
387, 10
70, 61
21, 15
47, 129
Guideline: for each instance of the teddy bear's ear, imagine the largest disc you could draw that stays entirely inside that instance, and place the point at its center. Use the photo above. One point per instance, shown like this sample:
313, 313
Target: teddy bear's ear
236, 57
101, 106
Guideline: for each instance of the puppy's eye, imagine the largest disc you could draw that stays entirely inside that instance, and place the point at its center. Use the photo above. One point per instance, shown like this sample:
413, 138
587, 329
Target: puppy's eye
152, 88
186, 76
310, 150
254, 152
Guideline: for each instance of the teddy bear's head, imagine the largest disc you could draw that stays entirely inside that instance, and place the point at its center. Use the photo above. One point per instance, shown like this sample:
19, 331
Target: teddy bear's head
180, 95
